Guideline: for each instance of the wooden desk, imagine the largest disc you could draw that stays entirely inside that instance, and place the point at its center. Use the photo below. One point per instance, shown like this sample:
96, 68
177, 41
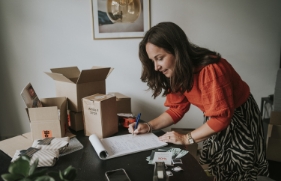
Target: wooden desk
90, 167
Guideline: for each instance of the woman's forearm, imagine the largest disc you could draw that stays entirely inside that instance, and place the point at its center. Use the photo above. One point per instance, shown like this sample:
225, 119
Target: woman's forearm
202, 133
162, 121
198, 135
165, 120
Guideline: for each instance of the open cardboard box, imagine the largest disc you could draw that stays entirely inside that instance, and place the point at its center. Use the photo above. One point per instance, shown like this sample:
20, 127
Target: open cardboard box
100, 115
49, 120
273, 143
75, 85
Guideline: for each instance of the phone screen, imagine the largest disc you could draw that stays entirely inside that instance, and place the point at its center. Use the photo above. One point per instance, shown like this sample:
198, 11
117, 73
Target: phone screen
117, 175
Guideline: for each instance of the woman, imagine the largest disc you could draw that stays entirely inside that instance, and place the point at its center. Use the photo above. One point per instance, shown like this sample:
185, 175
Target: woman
233, 140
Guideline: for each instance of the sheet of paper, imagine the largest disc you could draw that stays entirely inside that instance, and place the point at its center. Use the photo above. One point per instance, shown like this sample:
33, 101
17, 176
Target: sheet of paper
125, 144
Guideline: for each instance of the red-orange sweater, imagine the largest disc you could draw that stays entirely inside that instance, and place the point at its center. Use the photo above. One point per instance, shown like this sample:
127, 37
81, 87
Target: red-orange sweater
217, 90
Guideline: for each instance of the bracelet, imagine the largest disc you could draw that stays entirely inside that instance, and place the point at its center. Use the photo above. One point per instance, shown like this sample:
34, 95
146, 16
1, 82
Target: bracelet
150, 128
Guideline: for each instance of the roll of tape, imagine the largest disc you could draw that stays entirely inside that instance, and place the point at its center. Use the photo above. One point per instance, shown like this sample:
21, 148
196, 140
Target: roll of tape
128, 121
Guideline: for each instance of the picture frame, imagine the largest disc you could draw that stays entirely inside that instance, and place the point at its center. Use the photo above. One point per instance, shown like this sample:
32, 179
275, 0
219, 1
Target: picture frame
105, 26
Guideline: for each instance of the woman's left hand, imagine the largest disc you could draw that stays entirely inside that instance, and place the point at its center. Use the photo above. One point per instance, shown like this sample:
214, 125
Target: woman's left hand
175, 138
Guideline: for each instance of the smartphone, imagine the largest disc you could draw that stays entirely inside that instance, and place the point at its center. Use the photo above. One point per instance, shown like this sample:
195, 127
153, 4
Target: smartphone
117, 175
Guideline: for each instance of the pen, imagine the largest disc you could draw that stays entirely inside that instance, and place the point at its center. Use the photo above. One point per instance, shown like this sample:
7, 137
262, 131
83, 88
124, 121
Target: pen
137, 121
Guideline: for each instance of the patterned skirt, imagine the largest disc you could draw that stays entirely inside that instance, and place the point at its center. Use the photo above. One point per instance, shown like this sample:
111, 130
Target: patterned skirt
238, 152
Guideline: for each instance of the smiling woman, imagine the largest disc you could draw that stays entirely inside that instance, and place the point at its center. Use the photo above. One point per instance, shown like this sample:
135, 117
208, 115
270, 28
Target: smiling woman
232, 135
164, 61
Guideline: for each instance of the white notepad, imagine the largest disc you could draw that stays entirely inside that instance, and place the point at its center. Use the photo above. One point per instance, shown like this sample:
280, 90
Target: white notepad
124, 144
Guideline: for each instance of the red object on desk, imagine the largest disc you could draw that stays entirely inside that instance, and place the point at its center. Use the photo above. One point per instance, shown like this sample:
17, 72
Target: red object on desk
128, 121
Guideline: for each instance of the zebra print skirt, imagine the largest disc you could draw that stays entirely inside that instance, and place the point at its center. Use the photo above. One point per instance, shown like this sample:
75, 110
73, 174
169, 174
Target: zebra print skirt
238, 152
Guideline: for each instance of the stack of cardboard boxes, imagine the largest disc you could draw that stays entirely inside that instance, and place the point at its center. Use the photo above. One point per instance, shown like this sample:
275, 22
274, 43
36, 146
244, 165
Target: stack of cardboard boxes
88, 89
75, 85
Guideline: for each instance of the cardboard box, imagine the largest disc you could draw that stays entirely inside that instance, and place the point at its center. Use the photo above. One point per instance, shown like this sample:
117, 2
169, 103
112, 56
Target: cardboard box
274, 149
75, 85
49, 120
20, 142
100, 115
275, 118
123, 103
274, 131
76, 121
273, 143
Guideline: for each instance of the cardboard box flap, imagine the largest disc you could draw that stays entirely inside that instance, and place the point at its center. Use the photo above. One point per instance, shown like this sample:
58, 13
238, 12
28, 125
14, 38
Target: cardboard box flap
44, 113
59, 77
27, 135
26, 109
118, 95
92, 75
99, 97
97, 67
69, 72
55, 101
20, 142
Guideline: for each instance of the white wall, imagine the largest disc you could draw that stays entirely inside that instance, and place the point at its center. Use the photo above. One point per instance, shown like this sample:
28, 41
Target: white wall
38, 35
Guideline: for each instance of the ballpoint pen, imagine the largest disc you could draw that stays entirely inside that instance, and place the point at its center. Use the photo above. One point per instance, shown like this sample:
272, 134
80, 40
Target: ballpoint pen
137, 122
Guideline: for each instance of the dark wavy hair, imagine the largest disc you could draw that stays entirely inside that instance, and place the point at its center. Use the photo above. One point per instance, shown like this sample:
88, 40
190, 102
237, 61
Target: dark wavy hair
188, 57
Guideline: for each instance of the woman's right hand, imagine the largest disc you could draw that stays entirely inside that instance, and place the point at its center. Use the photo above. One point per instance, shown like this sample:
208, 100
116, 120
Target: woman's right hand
142, 128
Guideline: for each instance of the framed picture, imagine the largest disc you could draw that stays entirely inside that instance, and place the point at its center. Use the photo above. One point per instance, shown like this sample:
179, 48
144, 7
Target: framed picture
120, 18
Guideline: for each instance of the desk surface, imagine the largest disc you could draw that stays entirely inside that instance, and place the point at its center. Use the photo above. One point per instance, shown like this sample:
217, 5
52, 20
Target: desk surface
90, 167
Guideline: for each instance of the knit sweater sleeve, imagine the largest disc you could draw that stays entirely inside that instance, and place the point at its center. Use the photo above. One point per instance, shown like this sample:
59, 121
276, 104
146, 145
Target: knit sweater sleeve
217, 95
177, 105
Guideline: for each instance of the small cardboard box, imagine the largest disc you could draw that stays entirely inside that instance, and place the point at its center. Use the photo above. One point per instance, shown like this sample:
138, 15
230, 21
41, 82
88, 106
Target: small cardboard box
100, 115
49, 120
76, 121
123, 102
274, 137
75, 85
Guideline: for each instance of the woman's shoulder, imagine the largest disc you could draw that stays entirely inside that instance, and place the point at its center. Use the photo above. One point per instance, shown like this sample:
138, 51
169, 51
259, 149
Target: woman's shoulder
216, 72
221, 66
